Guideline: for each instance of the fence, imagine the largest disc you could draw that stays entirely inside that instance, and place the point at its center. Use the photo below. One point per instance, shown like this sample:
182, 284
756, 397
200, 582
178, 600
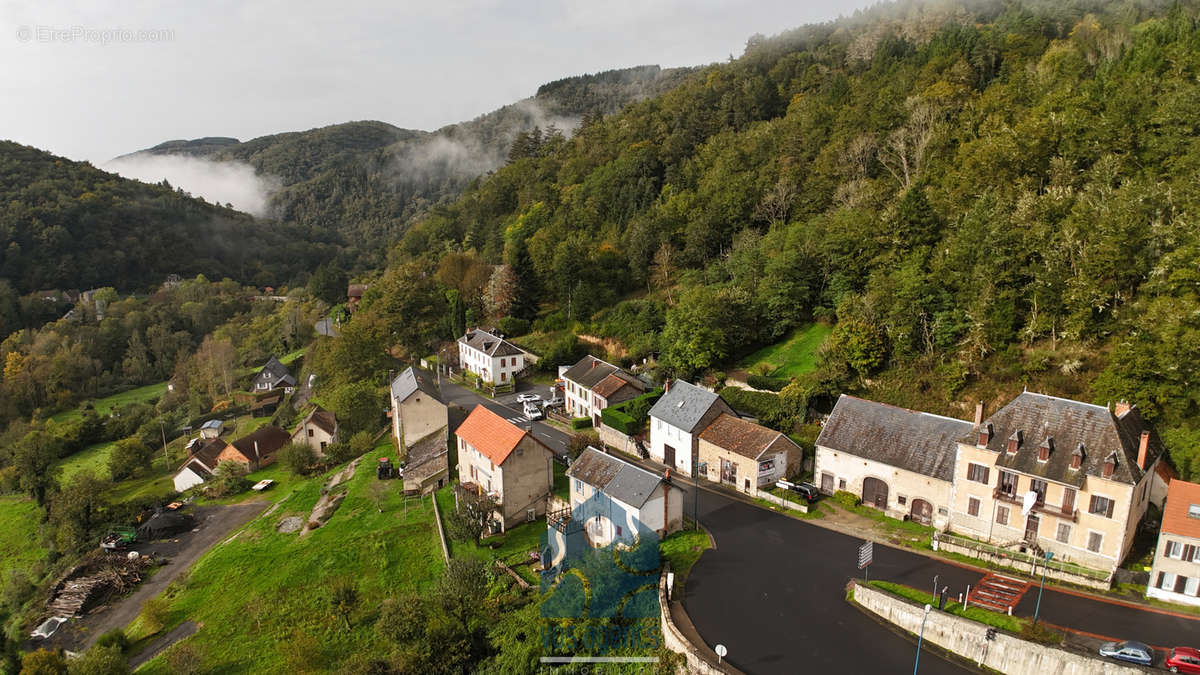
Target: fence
1024, 562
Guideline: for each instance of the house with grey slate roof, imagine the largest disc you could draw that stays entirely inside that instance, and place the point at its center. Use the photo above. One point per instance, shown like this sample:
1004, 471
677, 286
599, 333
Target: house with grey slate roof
676, 421
592, 384
417, 409
489, 356
612, 501
897, 460
273, 375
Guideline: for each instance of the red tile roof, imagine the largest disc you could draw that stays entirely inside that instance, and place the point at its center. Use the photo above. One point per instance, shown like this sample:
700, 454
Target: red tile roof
1181, 495
740, 436
490, 434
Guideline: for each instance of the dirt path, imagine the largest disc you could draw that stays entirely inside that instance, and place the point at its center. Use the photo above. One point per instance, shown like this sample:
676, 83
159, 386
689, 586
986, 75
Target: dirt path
329, 501
183, 630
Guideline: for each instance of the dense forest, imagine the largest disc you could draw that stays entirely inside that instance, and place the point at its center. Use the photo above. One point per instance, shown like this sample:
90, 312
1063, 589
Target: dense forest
367, 181
980, 197
69, 225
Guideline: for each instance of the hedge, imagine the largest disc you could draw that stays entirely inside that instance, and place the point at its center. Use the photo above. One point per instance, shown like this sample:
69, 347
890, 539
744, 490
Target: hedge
765, 382
618, 420
581, 422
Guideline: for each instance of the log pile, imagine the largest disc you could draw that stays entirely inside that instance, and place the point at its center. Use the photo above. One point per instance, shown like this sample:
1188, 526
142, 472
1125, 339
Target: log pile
94, 580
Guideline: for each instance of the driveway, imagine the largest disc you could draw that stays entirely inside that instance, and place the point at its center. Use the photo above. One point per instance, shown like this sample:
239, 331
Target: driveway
215, 523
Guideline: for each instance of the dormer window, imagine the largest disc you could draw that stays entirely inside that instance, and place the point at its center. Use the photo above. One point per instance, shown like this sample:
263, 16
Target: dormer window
1110, 464
1044, 450
985, 435
1014, 442
1077, 457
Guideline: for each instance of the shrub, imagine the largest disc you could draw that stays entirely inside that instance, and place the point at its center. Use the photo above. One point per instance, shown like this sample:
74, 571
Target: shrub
298, 458
129, 457
229, 479
579, 442
618, 420
765, 382
114, 638
1040, 633
581, 423
765, 406
512, 326
846, 499
99, 660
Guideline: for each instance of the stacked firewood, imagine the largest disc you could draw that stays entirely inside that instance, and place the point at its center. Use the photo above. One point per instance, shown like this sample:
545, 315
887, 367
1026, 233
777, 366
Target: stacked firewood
95, 579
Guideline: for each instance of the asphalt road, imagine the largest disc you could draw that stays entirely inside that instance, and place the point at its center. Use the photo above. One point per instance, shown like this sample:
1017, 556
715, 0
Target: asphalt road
506, 406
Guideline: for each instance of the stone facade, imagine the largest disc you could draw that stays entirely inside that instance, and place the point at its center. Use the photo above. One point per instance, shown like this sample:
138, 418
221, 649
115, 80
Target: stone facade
904, 494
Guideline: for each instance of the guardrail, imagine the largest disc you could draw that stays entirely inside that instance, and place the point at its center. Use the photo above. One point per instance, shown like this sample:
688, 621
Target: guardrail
1065, 569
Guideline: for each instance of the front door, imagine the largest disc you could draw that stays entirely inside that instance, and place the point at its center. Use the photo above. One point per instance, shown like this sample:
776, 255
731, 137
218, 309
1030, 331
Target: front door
922, 512
1031, 529
875, 493
827, 483
668, 455
728, 472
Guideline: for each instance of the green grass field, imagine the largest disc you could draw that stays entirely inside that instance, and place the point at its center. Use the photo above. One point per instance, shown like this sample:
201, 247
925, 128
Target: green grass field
264, 596
682, 549
20, 542
94, 458
794, 356
105, 405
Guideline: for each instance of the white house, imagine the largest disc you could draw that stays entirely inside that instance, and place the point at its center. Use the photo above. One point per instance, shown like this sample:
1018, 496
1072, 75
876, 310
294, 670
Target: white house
1175, 576
591, 385
211, 429
676, 421
490, 357
273, 375
317, 430
201, 463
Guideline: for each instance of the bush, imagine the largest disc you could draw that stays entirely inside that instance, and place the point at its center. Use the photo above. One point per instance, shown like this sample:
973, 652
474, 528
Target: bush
361, 443
1041, 634
229, 479
562, 352
298, 458
129, 457
765, 382
579, 442
846, 499
99, 660
614, 418
114, 638
765, 406
581, 423
512, 326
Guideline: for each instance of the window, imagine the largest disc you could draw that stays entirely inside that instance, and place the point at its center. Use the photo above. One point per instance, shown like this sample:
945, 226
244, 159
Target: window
1180, 583
902, 500
1008, 483
1166, 581
1064, 533
1173, 549
973, 506
1002, 515
310, 433
618, 530
1194, 511
1068, 500
1094, 541
767, 465
1101, 506
578, 485
1192, 586
977, 473
1039, 486
841, 483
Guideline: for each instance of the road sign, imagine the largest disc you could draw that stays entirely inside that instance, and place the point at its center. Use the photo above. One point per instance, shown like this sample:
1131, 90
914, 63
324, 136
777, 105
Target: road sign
866, 553
721, 652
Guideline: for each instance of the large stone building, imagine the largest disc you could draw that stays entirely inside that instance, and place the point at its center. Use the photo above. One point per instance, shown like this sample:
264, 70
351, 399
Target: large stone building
676, 421
1050, 474
497, 457
742, 454
898, 461
1176, 573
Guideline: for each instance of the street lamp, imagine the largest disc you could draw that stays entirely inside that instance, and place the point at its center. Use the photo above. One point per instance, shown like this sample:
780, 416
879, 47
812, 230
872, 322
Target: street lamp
1049, 555
920, 638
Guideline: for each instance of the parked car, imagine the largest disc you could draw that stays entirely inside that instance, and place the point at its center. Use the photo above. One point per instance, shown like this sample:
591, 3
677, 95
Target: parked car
533, 411
528, 398
1129, 650
555, 402
806, 490
1183, 660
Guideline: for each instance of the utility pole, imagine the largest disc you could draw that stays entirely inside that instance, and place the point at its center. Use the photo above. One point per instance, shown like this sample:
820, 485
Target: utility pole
166, 460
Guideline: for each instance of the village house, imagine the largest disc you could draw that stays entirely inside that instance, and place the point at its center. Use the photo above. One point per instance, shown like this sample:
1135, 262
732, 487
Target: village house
1050, 474
1175, 576
591, 385
489, 357
354, 293
256, 449
211, 429
273, 375
676, 421
612, 501
425, 463
897, 460
417, 408
742, 454
317, 430
201, 463
497, 457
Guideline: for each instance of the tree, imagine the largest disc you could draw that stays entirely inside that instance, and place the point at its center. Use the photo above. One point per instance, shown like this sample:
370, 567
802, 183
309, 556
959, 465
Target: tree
663, 270
358, 406
129, 457
229, 479
578, 442
44, 662
343, 597
501, 291
470, 520
859, 344
298, 458
462, 588
78, 510
328, 282
34, 461
99, 660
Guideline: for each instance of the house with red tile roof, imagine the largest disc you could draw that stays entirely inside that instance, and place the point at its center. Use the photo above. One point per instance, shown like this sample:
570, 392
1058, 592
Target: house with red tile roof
506, 461
1176, 573
591, 385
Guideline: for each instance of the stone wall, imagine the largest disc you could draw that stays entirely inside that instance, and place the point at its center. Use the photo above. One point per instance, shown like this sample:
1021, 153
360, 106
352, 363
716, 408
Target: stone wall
674, 640
1025, 567
615, 439
1005, 654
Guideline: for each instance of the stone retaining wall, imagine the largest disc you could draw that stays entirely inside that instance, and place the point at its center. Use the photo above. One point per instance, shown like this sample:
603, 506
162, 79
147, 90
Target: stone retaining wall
1005, 654
673, 639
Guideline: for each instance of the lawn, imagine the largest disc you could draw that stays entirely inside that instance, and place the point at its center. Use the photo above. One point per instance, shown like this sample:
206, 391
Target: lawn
105, 405
562, 484
93, 458
1011, 624
20, 542
512, 548
264, 597
682, 549
794, 356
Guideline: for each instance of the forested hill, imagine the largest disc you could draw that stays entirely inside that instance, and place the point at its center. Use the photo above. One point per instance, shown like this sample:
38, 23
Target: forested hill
367, 181
980, 196
67, 224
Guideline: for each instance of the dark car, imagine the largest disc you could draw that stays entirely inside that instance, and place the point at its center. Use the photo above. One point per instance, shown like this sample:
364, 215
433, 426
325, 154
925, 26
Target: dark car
1183, 660
806, 490
1131, 651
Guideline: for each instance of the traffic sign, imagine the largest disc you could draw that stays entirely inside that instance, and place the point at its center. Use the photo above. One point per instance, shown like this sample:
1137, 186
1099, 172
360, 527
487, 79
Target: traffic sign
866, 554
721, 652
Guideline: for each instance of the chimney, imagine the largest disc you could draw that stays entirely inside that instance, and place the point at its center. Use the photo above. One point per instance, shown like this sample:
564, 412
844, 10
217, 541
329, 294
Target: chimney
1143, 450
985, 435
1122, 408
1044, 450
666, 386
1077, 457
1110, 464
594, 361
1014, 442
979, 413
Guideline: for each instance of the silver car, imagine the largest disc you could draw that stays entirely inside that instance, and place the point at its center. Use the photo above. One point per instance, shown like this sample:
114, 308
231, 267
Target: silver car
1130, 650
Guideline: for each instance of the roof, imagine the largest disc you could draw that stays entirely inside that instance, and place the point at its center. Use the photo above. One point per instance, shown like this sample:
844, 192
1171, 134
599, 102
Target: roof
1181, 495
684, 404
275, 372
741, 436
589, 371
207, 451
419, 463
914, 441
1068, 424
269, 439
355, 290
211, 424
412, 380
322, 419
615, 477
491, 434
492, 345
616, 382
196, 468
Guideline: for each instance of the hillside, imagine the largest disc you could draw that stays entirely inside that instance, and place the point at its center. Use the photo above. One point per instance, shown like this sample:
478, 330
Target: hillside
366, 181
979, 197
67, 225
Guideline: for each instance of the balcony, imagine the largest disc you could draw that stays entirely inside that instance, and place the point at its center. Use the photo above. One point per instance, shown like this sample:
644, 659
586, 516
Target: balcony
562, 521
1041, 507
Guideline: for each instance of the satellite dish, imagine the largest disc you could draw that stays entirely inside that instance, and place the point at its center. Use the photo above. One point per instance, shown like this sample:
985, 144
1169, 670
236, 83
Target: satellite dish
1031, 498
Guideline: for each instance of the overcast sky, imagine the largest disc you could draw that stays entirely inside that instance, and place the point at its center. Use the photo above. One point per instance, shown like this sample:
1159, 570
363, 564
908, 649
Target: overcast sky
92, 80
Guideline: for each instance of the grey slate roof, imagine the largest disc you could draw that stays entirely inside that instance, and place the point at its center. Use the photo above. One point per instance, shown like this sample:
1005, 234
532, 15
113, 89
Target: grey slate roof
426, 457
275, 373
1069, 424
915, 441
685, 404
211, 424
615, 477
489, 344
589, 372
412, 380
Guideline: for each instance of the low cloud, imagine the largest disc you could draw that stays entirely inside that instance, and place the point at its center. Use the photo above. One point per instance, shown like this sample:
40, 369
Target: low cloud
223, 182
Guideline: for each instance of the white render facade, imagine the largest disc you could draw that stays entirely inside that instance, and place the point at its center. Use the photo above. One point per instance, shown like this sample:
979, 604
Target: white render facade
490, 357
905, 490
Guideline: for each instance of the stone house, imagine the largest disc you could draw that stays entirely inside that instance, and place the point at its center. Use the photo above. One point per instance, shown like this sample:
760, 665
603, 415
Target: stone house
676, 421
507, 461
317, 430
743, 454
490, 357
591, 385
1050, 474
417, 408
897, 460
1175, 576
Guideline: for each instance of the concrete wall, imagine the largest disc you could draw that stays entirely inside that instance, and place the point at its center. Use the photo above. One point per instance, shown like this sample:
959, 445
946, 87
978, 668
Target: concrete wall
417, 417
1005, 654
615, 439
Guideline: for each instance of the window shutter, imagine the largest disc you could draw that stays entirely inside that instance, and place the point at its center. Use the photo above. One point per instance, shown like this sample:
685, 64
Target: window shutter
1158, 582
1180, 583
1110, 509
1189, 551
